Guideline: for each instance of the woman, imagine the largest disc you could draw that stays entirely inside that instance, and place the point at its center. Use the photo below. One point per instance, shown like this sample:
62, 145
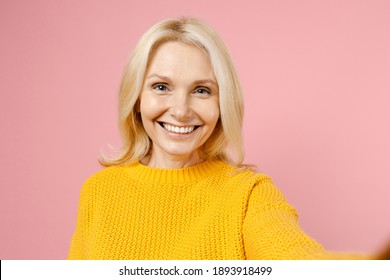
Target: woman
178, 188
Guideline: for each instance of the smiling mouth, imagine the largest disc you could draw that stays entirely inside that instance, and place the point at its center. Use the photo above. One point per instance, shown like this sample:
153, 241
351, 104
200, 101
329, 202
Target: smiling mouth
178, 129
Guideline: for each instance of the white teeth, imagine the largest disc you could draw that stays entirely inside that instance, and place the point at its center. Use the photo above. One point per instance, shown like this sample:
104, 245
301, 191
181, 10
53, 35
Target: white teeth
180, 130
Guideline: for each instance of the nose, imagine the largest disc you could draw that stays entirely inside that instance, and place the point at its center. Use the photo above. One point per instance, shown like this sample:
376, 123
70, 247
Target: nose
180, 106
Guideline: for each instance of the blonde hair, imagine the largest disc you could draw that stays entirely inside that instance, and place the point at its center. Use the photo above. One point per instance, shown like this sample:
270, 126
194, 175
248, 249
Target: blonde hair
225, 143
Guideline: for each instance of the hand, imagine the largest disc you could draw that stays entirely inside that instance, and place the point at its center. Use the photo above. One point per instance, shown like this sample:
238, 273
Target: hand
384, 254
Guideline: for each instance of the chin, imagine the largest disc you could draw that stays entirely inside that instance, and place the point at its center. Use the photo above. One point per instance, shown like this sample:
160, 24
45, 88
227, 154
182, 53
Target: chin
182, 152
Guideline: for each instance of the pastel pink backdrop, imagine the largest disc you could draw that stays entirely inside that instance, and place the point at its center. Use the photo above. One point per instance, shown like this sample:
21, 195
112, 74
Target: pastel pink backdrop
316, 81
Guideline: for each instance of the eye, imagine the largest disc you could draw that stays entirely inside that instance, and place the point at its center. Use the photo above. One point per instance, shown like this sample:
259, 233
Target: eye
160, 87
202, 91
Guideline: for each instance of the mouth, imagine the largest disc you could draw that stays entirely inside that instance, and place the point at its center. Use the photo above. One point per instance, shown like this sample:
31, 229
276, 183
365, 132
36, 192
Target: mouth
178, 129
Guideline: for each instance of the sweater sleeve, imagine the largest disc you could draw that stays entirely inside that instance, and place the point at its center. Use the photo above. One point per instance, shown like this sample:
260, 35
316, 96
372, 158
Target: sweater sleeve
271, 229
78, 246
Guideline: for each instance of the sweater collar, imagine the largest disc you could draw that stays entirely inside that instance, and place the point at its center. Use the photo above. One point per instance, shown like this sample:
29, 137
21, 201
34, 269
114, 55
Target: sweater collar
190, 174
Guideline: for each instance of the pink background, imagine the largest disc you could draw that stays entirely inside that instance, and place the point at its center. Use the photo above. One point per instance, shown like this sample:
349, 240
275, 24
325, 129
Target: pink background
316, 81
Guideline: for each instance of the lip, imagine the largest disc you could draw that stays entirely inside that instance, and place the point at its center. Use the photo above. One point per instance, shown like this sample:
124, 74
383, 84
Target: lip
177, 135
178, 125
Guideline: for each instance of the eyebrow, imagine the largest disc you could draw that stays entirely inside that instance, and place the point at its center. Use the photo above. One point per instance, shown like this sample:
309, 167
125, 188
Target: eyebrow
155, 75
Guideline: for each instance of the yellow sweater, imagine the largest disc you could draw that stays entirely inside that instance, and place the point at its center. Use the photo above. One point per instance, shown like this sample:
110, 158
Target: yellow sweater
207, 211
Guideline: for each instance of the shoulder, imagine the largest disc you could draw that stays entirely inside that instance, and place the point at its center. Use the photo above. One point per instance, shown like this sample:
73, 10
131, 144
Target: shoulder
257, 189
108, 173
245, 178
261, 186
246, 175
106, 179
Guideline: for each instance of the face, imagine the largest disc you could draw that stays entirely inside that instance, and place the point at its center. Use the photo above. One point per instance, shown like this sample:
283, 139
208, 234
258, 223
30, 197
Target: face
179, 104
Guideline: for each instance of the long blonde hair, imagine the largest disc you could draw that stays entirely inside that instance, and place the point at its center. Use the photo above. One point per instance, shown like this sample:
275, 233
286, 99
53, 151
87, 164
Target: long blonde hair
225, 143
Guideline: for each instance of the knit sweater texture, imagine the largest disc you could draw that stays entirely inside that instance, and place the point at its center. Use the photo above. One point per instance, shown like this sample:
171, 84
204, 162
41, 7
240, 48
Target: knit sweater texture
206, 211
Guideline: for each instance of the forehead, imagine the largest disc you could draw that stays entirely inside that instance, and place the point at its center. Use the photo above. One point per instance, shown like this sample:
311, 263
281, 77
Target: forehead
180, 59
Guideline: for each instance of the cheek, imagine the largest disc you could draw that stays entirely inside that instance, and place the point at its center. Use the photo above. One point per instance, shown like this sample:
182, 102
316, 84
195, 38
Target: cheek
211, 113
150, 108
